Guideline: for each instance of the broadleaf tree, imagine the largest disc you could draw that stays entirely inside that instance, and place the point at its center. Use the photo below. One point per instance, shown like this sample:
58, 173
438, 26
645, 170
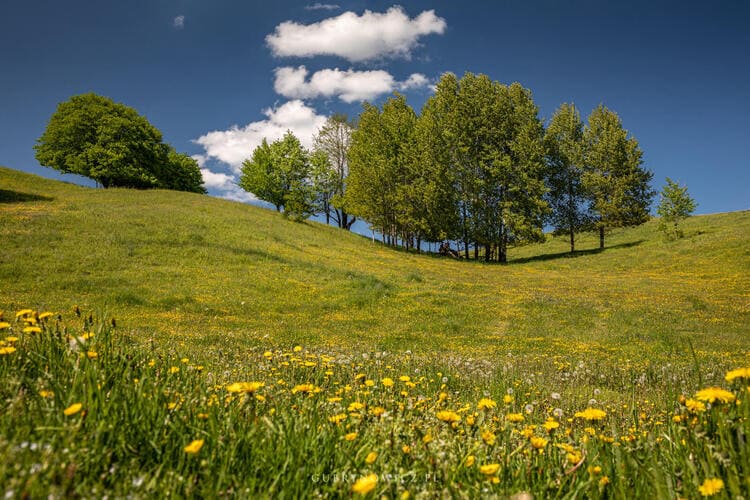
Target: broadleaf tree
675, 204
330, 178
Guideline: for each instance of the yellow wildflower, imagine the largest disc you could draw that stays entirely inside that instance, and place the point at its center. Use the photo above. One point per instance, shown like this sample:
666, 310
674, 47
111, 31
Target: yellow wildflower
488, 437
713, 394
731, 375
72, 409
92, 354
365, 485
550, 425
371, 457
404, 378
32, 329
305, 389
173, 369
489, 469
591, 414
711, 487
46, 394
377, 411
194, 446
45, 315
514, 417
486, 404
406, 448
448, 416
7, 350
297, 348
387, 382
24, 312
695, 406
604, 481
507, 399
11, 338
427, 438
4, 325
355, 406
470, 460
247, 387
336, 419
351, 436
538, 443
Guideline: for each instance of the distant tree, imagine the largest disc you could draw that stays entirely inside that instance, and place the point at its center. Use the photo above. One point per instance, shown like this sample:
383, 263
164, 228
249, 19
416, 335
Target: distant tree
333, 140
675, 204
92, 136
567, 197
182, 173
618, 184
278, 173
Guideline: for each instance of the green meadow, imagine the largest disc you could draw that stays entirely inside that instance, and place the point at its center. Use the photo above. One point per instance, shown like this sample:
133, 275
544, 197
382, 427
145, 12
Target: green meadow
218, 349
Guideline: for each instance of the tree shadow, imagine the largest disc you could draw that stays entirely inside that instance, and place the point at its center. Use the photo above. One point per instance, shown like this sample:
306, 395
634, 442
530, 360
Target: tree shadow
8, 196
576, 254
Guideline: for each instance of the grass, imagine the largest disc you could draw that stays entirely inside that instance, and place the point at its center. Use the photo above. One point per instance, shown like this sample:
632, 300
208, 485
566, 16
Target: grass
636, 328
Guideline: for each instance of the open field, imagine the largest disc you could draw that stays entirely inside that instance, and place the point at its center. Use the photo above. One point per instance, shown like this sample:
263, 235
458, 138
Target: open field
223, 292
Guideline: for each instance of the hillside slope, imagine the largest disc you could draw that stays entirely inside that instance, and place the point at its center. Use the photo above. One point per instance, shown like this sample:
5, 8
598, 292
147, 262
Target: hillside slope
217, 274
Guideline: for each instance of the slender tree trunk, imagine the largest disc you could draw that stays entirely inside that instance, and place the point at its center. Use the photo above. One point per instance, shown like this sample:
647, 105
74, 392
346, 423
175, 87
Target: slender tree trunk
476, 251
601, 237
487, 254
572, 240
278, 208
419, 244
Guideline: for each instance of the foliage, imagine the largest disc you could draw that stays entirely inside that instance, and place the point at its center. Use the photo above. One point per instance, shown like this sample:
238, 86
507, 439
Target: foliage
619, 185
568, 200
279, 174
675, 204
329, 179
92, 136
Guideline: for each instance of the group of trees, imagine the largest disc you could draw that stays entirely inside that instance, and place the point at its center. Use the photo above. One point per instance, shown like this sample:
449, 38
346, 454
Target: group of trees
301, 182
478, 167
92, 136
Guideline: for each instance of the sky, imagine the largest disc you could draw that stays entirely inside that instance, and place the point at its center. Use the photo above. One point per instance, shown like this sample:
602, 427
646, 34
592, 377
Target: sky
217, 76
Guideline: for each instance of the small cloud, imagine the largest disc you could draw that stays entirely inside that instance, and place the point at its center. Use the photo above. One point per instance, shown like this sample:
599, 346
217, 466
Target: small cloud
322, 6
179, 22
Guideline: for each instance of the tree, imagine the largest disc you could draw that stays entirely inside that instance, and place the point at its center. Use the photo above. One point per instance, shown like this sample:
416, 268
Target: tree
92, 136
182, 173
675, 204
278, 173
329, 178
567, 197
618, 184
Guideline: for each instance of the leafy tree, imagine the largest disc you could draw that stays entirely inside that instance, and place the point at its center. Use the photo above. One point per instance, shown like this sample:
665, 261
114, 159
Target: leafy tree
567, 197
278, 173
92, 136
182, 173
329, 178
675, 204
613, 175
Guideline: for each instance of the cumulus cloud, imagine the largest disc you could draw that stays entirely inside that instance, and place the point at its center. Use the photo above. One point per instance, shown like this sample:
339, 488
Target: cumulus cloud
236, 144
322, 6
226, 186
179, 22
357, 38
349, 85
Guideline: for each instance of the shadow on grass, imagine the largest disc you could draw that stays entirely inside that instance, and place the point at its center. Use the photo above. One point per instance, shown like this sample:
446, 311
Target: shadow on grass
8, 196
576, 254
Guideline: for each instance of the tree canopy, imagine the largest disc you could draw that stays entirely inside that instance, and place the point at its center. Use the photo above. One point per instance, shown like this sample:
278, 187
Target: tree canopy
675, 204
92, 136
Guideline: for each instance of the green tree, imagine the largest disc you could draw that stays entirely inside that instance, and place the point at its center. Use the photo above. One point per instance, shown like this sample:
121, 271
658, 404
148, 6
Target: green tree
92, 136
675, 204
278, 173
329, 178
182, 173
618, 184
567, 197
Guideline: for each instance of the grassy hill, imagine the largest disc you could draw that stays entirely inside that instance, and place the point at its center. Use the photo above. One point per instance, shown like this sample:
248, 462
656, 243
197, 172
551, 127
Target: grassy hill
211, 272
558, 375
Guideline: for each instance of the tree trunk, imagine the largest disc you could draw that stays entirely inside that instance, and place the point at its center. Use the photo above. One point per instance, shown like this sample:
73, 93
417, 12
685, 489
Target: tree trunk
419, 245
476, 251
487, 254
601, 237
572, 240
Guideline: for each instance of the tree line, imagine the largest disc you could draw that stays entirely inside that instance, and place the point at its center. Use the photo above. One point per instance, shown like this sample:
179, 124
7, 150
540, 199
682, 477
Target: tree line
477, 167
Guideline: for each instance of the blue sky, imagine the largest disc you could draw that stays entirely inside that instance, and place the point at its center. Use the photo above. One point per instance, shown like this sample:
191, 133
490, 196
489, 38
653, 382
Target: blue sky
215, 76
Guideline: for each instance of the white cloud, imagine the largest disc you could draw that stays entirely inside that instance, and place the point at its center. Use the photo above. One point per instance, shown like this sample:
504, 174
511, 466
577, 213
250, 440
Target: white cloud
236, 144
226, 186
179, 22
322, 6
356, 38
349, 85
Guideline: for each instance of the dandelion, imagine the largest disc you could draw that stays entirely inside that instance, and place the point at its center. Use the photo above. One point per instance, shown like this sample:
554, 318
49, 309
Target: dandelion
405, 378
45, 315
174, 369
23, 312
711, 487
486, 404
387, 382
46, 394
529, 409
4, 325
730, 376
355, 406
377, 411
7, 350
489, 469
406, 449
538, 443
427, 438
351, 436
514, 417
448, 416
92, 354
558, 412
32, 329
337, 419
244, 387
488, 437
555, 396
695, 406
713, 394
591, 414
305, 389
365, 485
297, 348
507, 399
371, 457
194, 447
11, 338
72, 409
604, 481
470, 460
550, 425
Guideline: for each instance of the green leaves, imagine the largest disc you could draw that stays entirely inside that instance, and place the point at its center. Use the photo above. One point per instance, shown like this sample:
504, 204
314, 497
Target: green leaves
92, 136
675, 204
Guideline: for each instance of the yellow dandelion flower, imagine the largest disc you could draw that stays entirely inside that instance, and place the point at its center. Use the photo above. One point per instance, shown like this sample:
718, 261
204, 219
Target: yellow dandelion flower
45, 315
406, 449
171, 406
714, 394
448, 416
174, 369
489, 469
203, 416
488, 437
486, 404
11, 338
730, 376
550, 425
72, 409
604, 481
591, 414
514, 417
538, 443
260, 398
7, 350
92, 354
507, 399
24, 312
387, 382
245, 387
46, 394
369, 383
365, 485
377, 411
427, 438
355, 406
32, 329
305, 389
194, 446
371, 457
470, 460
268, 354
711, 487
298, 348
351, 436
336, 419
695, 406
470, 420
405, 378
4, 325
